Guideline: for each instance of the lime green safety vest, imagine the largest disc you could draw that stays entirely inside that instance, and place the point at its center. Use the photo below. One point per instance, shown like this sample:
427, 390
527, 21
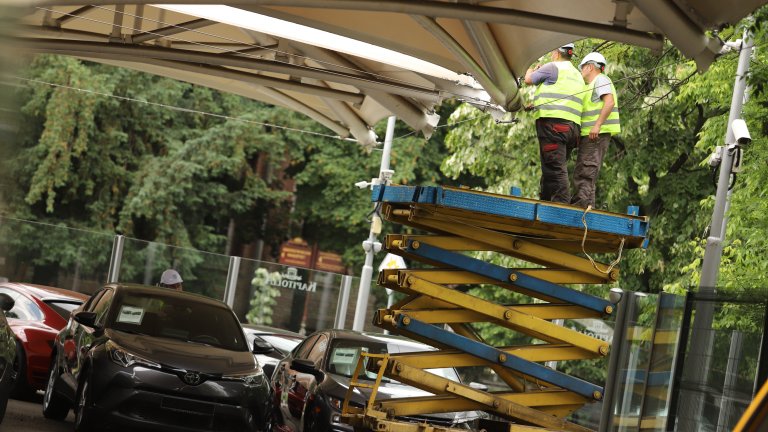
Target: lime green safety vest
563, 98
592, 113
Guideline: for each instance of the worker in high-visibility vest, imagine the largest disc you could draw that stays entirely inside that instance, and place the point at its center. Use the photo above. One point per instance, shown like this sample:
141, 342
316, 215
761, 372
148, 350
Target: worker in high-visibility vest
557, 108
599, 121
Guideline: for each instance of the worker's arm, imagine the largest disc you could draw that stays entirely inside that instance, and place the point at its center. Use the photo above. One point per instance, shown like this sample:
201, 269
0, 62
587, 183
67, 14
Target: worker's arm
529, 74
608, 104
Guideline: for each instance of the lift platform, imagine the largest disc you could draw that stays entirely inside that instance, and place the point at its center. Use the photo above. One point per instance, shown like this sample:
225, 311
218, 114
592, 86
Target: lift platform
462, 225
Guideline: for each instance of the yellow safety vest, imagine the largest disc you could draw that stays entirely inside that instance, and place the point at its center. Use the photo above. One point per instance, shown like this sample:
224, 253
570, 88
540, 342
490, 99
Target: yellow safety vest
563, 98
592, 112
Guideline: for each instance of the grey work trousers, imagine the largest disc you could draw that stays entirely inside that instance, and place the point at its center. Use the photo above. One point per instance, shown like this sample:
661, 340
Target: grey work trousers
588, 162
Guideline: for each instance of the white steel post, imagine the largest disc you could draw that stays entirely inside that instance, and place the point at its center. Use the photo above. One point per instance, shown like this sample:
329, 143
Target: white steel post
115, 259
371, 246
701, 334
341, 306
714, 250
231, 287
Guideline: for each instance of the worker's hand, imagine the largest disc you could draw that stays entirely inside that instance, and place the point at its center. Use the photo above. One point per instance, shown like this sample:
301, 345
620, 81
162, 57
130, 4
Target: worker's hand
528, 107
594, 132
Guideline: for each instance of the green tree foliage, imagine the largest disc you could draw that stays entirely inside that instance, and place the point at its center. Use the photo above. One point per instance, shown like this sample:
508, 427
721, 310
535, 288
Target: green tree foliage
335, 213
263, 300
111, 164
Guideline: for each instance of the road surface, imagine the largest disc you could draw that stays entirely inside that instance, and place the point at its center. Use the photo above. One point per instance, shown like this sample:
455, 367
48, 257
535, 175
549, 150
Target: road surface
24, 416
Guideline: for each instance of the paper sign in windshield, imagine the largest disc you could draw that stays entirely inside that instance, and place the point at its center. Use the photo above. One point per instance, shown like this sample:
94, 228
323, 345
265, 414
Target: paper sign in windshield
130, 315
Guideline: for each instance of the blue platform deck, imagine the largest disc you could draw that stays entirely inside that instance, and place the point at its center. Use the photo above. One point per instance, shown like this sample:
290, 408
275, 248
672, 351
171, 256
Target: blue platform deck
518, 215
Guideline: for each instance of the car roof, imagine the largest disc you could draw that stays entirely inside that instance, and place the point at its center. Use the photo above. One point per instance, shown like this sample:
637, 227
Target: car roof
262, 329
376, 337
44, 292
127, 288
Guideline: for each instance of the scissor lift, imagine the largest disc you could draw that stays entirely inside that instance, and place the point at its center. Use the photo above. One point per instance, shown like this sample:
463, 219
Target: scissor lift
558, 239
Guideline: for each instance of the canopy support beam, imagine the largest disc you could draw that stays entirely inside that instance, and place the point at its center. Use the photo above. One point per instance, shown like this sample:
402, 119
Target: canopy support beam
240, 61
686, 35
494, 61
463, 56
403, 109
170, 30
72, 15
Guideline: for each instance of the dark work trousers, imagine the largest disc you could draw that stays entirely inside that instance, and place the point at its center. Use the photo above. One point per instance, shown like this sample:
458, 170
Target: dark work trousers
557, 139
588, 163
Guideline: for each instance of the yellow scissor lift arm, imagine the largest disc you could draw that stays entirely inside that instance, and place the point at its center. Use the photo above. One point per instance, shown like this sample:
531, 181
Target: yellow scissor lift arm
558, 238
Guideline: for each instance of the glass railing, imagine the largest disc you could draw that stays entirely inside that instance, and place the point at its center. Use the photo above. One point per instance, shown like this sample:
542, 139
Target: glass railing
287, 297
203, 272
55, 255
292, 298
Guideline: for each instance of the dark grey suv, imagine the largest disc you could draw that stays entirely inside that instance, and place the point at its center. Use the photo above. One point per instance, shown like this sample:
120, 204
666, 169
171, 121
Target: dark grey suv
155, 358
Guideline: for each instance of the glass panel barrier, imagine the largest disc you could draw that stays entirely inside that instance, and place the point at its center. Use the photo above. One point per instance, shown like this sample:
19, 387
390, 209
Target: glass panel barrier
203, 272
291, 298
53, 255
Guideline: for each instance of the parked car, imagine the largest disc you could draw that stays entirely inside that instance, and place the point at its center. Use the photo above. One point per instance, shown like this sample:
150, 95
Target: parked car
307, 401
8, 364
277, 341
36, 318
153, 358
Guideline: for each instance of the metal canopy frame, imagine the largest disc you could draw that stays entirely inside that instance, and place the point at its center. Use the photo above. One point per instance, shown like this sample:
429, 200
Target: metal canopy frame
493, 41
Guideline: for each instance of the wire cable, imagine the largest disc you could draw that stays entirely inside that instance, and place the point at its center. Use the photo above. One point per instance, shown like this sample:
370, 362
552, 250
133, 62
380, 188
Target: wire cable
186, 110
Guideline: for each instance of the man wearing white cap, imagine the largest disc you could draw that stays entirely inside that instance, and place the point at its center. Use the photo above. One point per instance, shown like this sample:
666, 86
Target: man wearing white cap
557, 104
171, 279
599, 121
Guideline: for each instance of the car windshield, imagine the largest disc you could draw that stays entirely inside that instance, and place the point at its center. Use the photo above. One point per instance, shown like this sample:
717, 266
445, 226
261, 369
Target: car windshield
345, 354
63, 307
173, 317
282, 343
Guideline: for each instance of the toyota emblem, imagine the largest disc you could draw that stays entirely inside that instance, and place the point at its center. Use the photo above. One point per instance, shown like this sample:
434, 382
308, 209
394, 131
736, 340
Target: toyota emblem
192, 378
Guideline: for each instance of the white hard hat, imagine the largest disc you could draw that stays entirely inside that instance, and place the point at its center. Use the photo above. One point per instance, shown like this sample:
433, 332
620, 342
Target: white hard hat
567, 48
170, 277
594, 57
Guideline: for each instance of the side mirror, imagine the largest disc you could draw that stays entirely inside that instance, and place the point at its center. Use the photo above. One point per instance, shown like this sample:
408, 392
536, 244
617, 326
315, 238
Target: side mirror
6, 302
85, 318
262, 347
307, 367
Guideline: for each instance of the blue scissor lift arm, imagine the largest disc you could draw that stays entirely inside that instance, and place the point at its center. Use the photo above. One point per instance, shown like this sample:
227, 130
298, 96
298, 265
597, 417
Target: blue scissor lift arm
558, 238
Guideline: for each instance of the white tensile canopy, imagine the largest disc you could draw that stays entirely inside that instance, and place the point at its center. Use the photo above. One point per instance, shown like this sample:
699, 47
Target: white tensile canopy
349, 63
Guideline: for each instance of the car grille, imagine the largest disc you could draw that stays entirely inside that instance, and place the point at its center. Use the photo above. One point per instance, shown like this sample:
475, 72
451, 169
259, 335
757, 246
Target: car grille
187, 406
181, 412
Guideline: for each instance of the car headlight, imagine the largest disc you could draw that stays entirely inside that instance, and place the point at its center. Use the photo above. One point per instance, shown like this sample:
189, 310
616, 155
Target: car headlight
250, 378
336, 403
125, 358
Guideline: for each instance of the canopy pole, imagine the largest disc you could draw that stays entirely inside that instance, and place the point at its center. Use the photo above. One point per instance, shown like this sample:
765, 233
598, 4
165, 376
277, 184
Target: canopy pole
371, 246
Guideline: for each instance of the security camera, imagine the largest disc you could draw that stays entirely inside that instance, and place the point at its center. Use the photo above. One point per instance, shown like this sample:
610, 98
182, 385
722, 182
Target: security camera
741, 132
615, 294
362, 184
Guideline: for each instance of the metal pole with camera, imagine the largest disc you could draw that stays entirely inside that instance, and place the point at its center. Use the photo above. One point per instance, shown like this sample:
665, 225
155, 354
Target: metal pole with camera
372, 246
729, 158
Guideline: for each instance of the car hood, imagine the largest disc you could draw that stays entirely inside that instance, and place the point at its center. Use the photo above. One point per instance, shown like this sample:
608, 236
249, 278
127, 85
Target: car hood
336, 386
180, 354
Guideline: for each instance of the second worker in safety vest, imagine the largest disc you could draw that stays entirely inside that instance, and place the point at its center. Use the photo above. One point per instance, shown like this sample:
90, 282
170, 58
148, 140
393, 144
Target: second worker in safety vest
599, 121
558, 105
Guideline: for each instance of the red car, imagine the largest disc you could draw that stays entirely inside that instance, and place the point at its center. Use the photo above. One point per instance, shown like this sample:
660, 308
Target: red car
37, 316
